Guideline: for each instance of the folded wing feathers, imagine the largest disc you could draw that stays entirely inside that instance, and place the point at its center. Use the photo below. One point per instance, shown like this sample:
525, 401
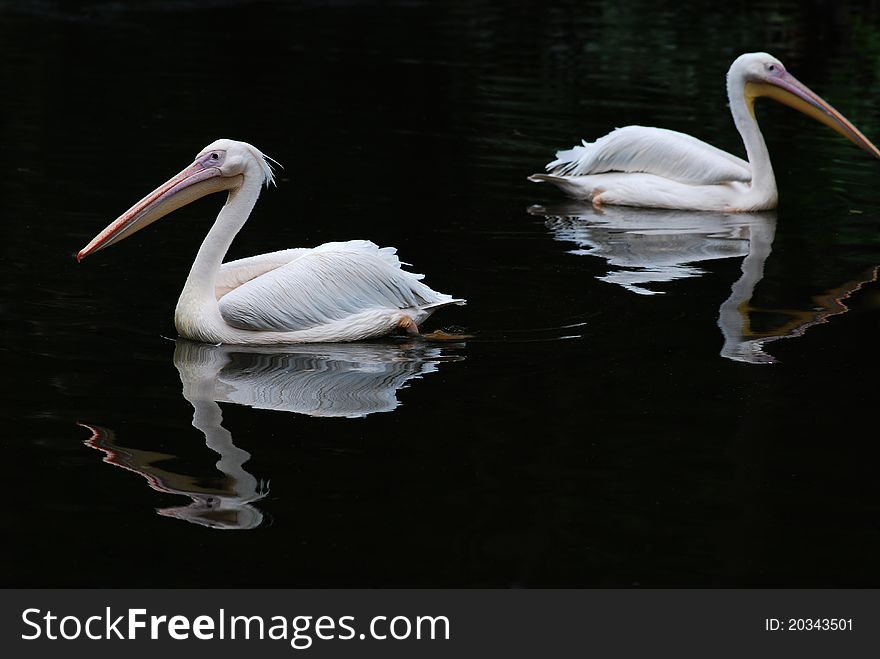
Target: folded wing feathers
330, 283
233, 274
656, 151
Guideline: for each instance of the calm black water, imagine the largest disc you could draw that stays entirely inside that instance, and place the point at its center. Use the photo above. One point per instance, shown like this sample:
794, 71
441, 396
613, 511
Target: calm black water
649, 398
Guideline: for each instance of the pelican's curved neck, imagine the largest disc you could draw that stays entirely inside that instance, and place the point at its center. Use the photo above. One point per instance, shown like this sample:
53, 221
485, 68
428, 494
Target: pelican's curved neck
742, 109
198, 298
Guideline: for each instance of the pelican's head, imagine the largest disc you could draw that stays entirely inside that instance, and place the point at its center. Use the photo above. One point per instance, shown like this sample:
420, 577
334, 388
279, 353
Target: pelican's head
232, 158
761, 74
222, 165
756, 67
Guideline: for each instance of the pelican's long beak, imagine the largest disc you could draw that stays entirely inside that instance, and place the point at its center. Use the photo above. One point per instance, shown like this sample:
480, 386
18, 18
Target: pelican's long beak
787, 89
192, 183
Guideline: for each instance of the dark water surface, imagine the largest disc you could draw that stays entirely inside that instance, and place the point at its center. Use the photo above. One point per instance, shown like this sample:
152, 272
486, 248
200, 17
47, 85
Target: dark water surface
649, 398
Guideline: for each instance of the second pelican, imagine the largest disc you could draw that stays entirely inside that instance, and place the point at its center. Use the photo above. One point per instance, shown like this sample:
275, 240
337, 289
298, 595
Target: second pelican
654, 167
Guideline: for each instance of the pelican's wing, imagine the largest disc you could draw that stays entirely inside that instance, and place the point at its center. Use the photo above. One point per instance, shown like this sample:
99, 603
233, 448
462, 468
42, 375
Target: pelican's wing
328, 283
235, 273
656, 151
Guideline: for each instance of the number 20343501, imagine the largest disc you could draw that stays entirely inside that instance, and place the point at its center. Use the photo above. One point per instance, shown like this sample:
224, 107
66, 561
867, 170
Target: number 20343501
808, 624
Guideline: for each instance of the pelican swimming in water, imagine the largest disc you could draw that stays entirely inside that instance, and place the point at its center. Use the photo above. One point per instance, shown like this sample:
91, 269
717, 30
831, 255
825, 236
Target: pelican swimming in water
654, 167
341, 291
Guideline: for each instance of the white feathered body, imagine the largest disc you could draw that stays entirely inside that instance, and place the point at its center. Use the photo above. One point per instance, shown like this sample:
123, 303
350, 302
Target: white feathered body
647, 150
657, 168
341, 291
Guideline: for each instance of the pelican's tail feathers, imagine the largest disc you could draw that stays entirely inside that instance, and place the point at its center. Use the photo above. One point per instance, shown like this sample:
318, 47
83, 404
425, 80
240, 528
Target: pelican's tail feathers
424, 311
443, 303
579, 187
573, 161
546, 178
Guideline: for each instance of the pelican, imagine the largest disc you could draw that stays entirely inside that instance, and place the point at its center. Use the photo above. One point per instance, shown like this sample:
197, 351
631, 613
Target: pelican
654, 167
336, 292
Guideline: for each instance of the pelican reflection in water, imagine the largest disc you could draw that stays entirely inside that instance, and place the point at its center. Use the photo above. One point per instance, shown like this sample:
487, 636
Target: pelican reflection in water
650, 246
227, 504
327, 380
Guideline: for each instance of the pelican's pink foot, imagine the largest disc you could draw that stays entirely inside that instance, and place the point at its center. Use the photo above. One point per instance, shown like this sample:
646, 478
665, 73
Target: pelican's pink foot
408, 325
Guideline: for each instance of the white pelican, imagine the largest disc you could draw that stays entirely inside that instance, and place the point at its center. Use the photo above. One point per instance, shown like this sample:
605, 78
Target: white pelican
341, 291
653, 167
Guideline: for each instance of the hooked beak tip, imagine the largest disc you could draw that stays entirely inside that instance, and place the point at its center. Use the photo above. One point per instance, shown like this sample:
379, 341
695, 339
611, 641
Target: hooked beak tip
80, 255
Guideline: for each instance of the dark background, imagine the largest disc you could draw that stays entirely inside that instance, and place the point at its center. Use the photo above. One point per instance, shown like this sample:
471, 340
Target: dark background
623, 451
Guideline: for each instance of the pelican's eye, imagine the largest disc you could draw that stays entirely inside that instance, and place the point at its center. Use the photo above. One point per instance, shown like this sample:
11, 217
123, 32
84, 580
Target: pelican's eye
213, 158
